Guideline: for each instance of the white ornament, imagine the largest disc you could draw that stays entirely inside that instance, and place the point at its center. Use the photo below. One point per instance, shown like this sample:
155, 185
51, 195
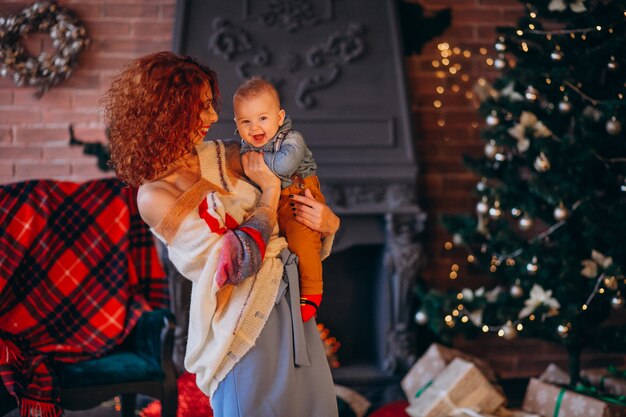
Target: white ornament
516, 291
508, 331
492, 119
421, 317
539, 296
561, 212
482, 207
525, 222
542, 164
613, 126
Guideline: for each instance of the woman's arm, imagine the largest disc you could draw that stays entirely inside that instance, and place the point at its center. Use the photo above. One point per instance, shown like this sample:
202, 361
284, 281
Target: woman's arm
316, 215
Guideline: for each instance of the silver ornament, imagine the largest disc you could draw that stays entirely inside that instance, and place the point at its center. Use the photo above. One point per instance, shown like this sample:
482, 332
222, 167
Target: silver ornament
532, 267
491, 149
531, 93
561, 212
617, 301
499, 63
457, 239
613, 126
542, 164
492, 119
509, 332
525, 222
516, 291
565, 106
482, 207
495, 211
564, 329
500, 45
421, 317
482, 184
556, 55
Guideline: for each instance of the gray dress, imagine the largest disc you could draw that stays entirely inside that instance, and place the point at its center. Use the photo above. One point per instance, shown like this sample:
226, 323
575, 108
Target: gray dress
286, 373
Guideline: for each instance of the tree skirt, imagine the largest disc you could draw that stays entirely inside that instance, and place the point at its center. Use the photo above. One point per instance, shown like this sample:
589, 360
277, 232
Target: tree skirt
191, 401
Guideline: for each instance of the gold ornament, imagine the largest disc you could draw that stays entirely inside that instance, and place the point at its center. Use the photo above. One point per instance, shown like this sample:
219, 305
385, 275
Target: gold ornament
561, 212
613, 126
525, 222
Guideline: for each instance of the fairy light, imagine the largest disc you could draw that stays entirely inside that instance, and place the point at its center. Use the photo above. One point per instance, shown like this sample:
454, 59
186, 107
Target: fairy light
455, 267
448, 318
460, 307
520, 327
464, 319
435, 64
471, 259
455, 313
519, 32
485, 328
440, 90
453, 275
524, 47
437, 104
459, 296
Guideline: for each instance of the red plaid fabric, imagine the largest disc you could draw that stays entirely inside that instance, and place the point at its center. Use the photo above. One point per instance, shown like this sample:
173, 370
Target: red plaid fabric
78, 267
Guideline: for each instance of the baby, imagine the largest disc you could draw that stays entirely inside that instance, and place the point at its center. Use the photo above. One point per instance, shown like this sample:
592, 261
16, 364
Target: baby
263, 127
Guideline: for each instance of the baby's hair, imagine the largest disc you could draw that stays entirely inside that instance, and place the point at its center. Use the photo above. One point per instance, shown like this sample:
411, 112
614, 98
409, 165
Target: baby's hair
255, 86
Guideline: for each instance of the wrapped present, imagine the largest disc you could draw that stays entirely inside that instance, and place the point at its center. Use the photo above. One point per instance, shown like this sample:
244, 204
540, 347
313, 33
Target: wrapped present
555, 375
501, 412
460, 387
610, 380
552, 400
432, 362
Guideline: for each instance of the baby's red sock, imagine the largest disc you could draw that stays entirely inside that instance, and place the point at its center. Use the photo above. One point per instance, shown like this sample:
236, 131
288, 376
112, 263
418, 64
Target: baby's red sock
309, 304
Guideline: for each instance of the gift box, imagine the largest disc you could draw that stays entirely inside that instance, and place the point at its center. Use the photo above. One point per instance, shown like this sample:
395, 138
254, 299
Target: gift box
432, 362
460, 386
554, 375
550, 400
609, 380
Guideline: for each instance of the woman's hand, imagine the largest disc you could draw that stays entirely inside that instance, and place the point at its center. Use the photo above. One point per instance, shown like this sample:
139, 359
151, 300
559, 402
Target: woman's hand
316, 215
257, 170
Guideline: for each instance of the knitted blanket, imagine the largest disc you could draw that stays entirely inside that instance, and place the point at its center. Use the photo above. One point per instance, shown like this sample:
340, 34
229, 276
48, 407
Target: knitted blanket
78, 267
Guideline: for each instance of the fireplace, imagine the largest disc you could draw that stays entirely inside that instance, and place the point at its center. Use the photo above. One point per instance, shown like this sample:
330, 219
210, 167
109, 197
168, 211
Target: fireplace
339, 70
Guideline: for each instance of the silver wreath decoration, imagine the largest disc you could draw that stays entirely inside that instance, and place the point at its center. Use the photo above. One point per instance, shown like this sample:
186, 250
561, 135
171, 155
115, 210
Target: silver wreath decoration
44, 71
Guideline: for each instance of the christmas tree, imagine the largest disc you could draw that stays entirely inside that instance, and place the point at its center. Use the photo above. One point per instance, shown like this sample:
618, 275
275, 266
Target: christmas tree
551, 212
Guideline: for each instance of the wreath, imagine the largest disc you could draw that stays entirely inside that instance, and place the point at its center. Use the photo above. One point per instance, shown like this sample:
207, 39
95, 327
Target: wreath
69, 38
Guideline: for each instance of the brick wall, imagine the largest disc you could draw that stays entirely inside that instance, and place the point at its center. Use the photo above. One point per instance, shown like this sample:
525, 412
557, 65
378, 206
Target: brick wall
34, 133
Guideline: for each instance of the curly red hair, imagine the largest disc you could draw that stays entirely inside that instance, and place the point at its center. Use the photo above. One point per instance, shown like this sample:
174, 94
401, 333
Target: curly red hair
150, 111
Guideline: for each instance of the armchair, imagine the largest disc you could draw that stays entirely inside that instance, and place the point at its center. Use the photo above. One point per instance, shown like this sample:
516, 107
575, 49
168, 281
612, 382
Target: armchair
141, 365
83, 300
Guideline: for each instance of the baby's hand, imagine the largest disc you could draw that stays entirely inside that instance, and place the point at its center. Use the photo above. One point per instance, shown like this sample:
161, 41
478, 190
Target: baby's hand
257, 170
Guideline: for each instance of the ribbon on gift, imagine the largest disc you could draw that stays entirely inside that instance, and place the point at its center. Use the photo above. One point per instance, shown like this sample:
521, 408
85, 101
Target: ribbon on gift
591, 392
419, 391
612, 371
456, 410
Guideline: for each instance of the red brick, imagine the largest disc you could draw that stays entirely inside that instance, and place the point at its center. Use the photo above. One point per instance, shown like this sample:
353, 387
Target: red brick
153, 29
20, 152
146, 11
71, 117
6, 172
54, 98
10, 116
6, 97
85, 11
130, 46
64, 152
6, 135
90, 134
30, 135
88, 169
167, 11
110, 28
42, 170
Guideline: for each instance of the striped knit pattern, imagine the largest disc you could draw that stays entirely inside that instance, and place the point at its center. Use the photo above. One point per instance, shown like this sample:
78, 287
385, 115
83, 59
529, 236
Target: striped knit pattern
224, 321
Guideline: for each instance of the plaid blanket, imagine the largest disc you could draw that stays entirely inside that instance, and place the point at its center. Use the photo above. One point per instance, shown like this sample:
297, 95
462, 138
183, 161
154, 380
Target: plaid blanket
77, 268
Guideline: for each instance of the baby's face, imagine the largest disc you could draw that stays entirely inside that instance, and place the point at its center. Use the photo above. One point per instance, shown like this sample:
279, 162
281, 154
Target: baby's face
258, 118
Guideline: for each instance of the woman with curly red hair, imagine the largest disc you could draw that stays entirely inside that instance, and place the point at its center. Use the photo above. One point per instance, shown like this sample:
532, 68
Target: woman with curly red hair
216, 212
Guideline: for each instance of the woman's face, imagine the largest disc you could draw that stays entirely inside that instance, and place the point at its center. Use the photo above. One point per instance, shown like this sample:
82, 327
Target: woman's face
208, 116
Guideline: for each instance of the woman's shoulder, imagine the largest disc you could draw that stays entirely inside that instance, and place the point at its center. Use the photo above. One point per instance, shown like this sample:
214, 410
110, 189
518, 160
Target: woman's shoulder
154, 200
